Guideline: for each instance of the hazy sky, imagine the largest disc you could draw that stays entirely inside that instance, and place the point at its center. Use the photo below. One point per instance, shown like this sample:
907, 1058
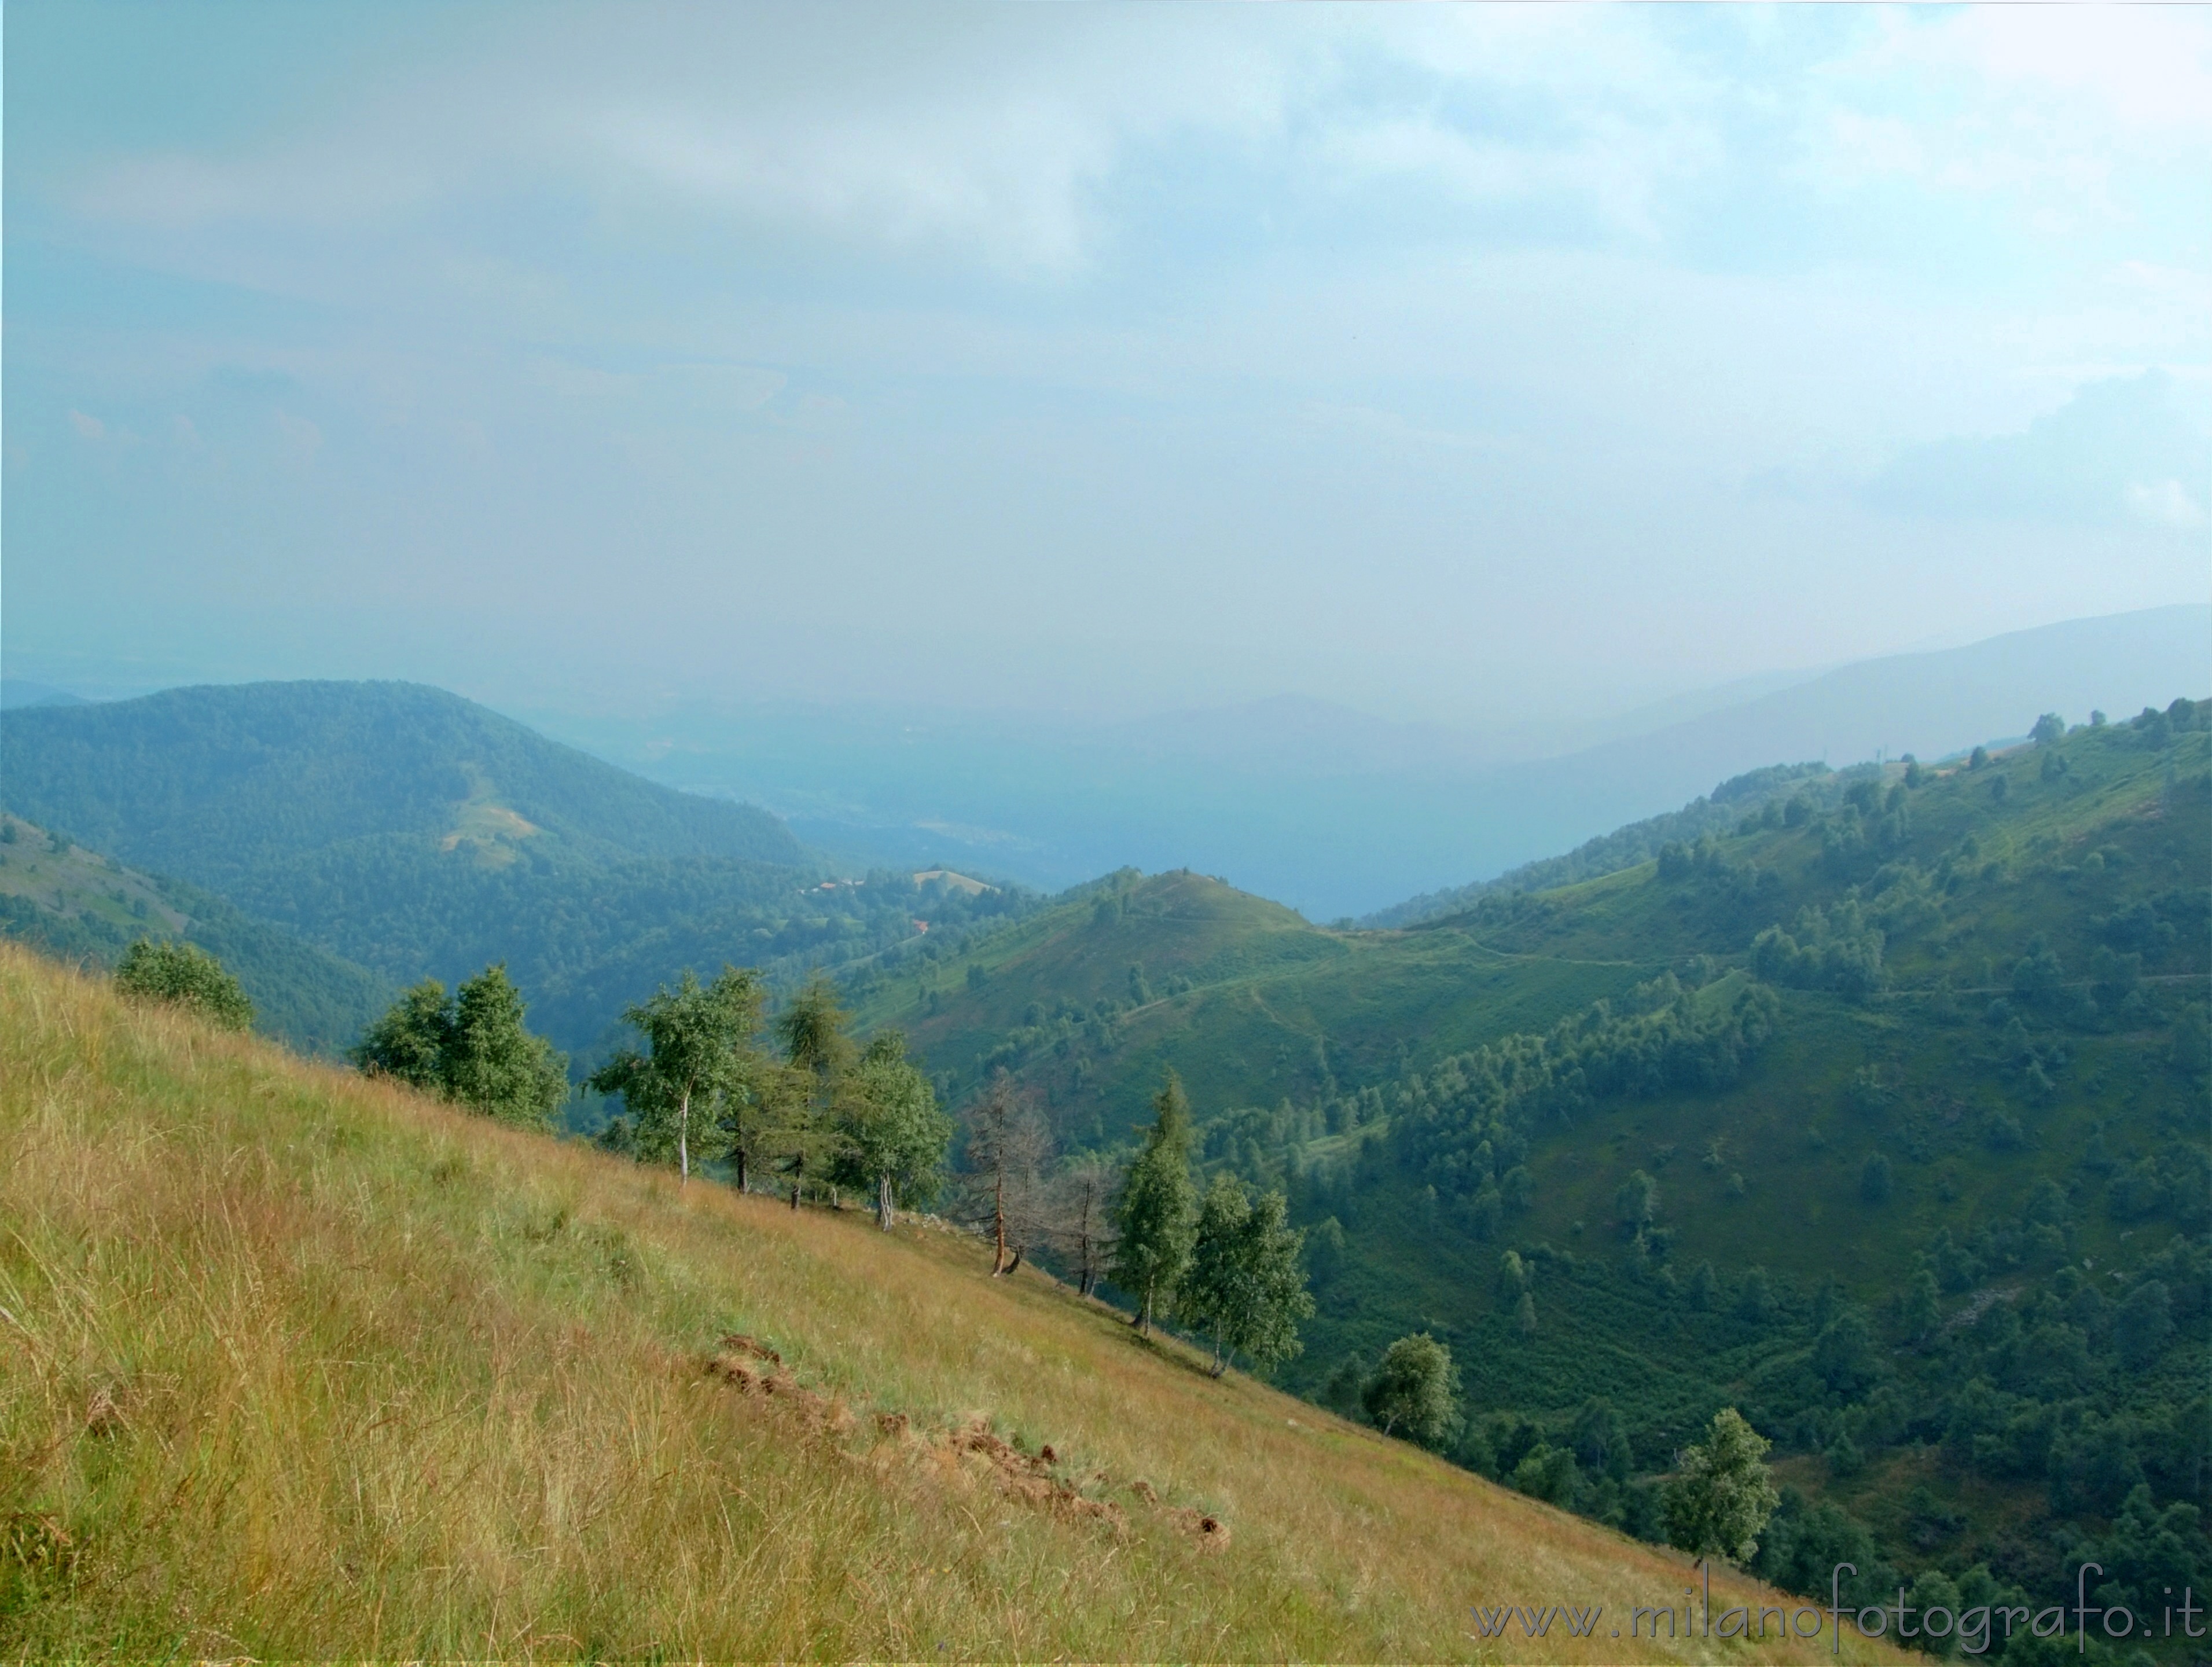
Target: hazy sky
1459, 362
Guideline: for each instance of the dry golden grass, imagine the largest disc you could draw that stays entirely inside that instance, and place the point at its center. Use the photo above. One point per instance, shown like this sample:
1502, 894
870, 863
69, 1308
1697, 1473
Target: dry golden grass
295, 1365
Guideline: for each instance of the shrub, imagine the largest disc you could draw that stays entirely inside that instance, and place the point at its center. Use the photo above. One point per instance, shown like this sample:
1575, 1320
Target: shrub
187, 974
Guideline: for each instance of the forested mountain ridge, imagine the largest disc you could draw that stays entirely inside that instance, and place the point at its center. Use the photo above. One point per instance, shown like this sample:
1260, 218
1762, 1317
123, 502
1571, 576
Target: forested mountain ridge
212, 783
418, 834
1882, 1119
79, 906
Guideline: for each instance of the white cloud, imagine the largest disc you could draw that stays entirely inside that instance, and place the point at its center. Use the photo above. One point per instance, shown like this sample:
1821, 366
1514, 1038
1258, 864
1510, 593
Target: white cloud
90, 428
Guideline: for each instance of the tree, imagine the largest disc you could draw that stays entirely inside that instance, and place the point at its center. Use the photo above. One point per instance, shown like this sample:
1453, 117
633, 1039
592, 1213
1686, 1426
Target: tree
1208, 1295
472, 1047
2144, 1323
186, 976
1920, 1310
1637, 1201
1083, 1217
1244, 1285
1704, 1286
2048, 729
1007, 1147
699, 1042
1754, 1301
494, 1064
409, 1043
1874, 1179
1844, 1354
893, 1135
1601, 1440
1722, 1497
1415, 1392
1156, 1215
820, 1053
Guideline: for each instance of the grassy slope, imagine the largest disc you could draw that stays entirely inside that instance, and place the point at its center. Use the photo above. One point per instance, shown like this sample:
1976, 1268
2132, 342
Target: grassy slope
302, 1365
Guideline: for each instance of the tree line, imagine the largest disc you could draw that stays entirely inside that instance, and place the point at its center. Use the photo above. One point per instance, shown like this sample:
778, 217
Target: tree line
709, 1079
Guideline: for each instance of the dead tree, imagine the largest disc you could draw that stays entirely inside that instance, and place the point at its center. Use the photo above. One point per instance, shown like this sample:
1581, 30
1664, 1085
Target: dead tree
1008, 1146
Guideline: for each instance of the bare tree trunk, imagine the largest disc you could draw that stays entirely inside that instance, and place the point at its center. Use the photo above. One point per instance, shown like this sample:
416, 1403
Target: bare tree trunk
998, 1225
741, 1167
883, 1204
684, 1138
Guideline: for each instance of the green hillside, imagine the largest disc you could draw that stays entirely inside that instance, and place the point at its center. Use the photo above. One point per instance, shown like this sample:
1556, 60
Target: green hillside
1885, 1122
79, 906
303, 1366
418, 834
1088, 1000
216, 782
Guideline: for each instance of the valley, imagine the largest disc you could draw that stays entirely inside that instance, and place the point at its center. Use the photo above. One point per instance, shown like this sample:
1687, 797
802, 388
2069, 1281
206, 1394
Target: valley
1869, 1102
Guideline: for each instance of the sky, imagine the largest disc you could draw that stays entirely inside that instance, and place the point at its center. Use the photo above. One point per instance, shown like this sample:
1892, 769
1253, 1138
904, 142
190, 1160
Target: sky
1465, 364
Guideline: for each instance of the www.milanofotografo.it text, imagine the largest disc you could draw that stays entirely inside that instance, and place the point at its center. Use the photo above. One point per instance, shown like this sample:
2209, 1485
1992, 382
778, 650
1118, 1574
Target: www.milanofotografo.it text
1974, 1628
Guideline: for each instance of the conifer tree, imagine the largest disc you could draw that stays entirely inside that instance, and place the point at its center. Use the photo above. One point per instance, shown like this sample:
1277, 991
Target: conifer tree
1083, 1217
1007, 1147
1156, 1214
820, 1054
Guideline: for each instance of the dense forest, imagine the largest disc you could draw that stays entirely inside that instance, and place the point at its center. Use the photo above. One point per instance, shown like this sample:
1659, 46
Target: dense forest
78, 906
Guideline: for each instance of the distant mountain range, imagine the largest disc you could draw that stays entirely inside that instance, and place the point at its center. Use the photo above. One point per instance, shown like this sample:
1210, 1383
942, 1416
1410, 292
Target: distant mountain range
1337, 813
409, 833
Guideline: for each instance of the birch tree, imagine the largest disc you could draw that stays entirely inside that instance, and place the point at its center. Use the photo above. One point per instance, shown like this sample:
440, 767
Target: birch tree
698, 1047
893, 1137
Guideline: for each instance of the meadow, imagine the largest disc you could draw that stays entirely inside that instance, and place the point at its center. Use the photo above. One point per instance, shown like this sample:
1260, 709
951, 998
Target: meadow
302, 1365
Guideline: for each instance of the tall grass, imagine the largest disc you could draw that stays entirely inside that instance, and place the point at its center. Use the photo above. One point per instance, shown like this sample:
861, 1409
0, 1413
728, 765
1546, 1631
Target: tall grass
298, 1365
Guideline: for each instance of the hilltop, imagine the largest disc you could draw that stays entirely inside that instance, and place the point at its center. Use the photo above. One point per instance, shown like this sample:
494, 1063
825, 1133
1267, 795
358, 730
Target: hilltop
1092, 997
304, 1365
414, 833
